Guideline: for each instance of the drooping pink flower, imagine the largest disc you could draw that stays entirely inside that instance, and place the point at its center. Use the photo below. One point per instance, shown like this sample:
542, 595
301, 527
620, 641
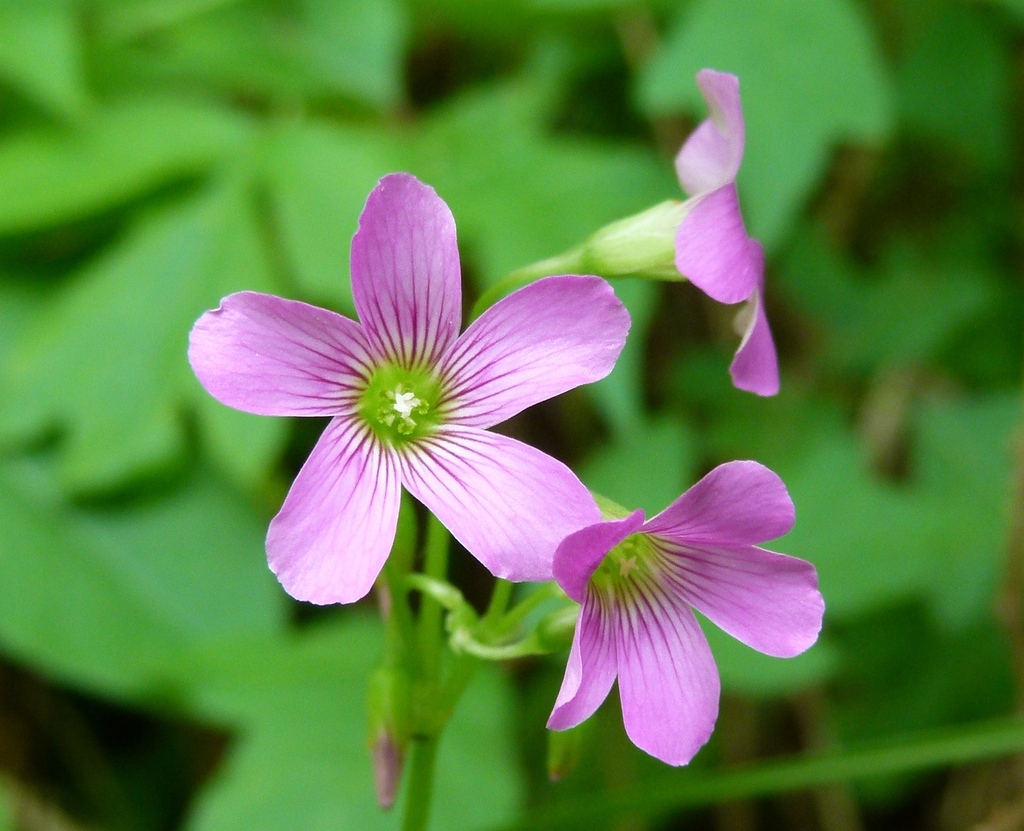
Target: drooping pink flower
410, 400
636, 581
712, 247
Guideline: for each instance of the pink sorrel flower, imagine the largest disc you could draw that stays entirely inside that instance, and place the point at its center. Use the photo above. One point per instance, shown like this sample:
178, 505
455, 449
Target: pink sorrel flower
410, 400
636, 582
712, 247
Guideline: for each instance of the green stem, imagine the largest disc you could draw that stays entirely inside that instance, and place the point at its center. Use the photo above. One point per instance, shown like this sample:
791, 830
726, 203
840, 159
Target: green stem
539, 596
674, 792
436, 566
423, 758
567, 262
500, 598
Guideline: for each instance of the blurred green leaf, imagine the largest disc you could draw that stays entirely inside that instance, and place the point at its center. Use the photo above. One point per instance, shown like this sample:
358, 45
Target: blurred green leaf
20, 301
53, 176
902, 673
303, 759
6, 812
319, 177
811, 77
356, 46
644, 467
41, 52
127, 19
621, 394
937, 536
954, 84
107, 360
520, 195
682, 789
964, 455
308, 49
243, 50
903, 315
1015, 7
872, 542
105, 599
748, 672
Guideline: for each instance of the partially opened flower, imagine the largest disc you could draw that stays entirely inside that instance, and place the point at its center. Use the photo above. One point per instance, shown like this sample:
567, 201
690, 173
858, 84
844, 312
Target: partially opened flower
411, 399
712, 247
637, 581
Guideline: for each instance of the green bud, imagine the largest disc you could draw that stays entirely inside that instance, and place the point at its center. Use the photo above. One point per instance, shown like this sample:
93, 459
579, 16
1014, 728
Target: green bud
643, 244
390, 719
565, 749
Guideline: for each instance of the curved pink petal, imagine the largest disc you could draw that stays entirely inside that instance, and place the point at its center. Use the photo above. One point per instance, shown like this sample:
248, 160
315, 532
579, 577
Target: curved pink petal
769, 601
271, 356
711, 156
578, 555
713, 250
336, 527
405, 272
737, 503
509, 504
590, 671
668, 680
755, 368
544, 339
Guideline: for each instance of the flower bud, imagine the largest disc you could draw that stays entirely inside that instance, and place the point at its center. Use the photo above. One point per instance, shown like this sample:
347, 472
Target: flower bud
389, 728
642, 244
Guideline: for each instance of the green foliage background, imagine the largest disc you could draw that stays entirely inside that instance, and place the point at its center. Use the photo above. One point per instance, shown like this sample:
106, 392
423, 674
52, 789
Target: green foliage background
156, 155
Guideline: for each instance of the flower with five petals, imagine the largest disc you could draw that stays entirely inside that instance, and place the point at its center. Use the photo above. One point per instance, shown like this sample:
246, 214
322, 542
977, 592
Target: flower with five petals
636, 581
410, 400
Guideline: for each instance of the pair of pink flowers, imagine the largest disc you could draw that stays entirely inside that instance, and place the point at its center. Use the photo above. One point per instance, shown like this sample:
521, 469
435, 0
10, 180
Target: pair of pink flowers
410, 401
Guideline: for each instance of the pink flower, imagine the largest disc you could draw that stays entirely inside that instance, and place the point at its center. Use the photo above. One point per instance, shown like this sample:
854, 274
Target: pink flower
712, 247
410, 400
636, 582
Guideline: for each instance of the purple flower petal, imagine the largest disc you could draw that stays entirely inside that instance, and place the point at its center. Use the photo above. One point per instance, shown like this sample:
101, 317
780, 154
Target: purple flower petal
769, 601
713, 250
509, 504
578, 555
738, 503
756, 365
405, 272
668, 681
590, 672
711, 156
271, 356
542, 340
334, 532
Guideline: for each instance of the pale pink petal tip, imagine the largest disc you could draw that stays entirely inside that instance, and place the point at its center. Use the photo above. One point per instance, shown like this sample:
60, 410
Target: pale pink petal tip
406, 278
668, 681
270, 356
737, 503
711, 156
590, 671
755, 368
331, 537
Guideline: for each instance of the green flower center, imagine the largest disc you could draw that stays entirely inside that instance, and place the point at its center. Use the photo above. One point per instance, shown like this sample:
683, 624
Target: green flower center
400, 405
631, 562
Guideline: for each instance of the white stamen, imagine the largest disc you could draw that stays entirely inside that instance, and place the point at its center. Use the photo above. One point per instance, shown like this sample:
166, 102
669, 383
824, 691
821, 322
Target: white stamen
405, 403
